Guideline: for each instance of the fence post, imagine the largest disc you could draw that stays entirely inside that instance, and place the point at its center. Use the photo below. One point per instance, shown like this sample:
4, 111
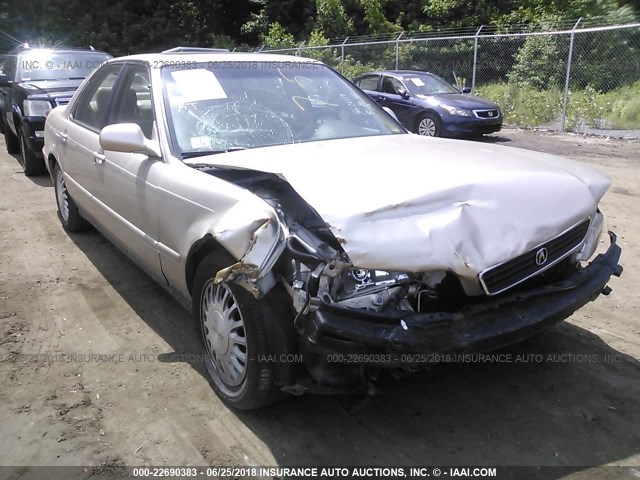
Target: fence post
342, 55
475, 59
565, 94
398, 50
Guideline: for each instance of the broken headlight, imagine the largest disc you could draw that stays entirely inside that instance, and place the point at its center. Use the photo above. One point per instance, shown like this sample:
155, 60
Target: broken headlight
592, 239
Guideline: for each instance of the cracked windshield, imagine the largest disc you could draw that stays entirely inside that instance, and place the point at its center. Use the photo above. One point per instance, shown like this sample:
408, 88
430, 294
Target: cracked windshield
225, 106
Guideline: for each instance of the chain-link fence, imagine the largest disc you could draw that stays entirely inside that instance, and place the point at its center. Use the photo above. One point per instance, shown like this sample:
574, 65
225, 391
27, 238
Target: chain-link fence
581, 79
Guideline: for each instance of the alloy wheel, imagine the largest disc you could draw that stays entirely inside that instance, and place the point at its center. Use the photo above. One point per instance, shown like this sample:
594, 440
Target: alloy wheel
62, 196
224, 333
427, 127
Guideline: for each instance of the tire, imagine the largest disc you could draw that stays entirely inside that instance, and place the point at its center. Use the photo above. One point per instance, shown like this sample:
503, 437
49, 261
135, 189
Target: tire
233, 329
68, 212
31, 164
11, 141
429, 125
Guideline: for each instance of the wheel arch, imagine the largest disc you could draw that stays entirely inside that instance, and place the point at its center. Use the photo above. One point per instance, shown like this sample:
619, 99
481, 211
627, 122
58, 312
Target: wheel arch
426, 110
17, 121
200, 249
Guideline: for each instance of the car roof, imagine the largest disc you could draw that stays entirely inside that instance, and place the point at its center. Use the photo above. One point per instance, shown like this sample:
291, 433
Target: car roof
397, 73
213, 56
20, 50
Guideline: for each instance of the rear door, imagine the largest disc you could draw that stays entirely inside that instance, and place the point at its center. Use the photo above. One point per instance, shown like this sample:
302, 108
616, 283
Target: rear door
80, 153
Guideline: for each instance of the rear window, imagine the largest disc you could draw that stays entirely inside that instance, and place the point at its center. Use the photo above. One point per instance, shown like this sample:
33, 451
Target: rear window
368, 83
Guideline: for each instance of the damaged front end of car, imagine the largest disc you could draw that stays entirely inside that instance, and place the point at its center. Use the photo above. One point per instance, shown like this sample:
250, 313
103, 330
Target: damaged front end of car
352, 321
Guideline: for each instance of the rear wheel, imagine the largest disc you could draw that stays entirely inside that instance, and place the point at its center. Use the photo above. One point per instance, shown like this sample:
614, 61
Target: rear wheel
233, 331
429, 125
68, 212
31, 164
11, 141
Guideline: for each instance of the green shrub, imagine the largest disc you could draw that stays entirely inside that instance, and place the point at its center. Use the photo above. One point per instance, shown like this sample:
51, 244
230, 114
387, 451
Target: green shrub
539, 63
625, 107
585, 107
523, 105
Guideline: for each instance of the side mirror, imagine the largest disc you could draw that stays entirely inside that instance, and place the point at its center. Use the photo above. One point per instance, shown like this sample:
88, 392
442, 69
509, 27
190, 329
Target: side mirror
466, 89
127, 138
391, 112
403, 93
4, 80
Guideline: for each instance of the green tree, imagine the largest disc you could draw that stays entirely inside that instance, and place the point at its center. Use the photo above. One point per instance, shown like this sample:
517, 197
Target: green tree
540, 62
374, 16
278, 37
332, 19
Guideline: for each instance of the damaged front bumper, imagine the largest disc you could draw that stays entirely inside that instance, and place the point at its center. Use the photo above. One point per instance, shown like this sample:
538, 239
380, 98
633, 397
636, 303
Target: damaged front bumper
335, 334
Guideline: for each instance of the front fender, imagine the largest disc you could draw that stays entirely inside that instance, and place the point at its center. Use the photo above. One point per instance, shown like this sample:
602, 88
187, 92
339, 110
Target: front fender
252, 232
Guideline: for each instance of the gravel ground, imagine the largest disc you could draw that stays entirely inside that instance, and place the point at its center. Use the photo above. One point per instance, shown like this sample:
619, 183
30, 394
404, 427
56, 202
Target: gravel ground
63, 298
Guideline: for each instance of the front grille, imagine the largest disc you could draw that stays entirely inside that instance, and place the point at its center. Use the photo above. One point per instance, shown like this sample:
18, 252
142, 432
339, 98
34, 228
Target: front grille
492, 113
504, 276
62, 101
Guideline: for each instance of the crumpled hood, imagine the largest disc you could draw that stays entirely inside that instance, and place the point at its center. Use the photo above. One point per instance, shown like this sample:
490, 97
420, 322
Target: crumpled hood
411, 203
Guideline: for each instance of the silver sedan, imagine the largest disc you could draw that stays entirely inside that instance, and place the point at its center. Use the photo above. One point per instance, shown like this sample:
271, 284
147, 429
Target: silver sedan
316, 241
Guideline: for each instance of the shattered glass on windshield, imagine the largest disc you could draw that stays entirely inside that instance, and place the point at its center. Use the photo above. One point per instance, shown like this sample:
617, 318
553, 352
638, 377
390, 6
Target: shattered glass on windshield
238, 105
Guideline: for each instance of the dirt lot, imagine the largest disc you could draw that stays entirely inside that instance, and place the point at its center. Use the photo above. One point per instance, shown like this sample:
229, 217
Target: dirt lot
145, 403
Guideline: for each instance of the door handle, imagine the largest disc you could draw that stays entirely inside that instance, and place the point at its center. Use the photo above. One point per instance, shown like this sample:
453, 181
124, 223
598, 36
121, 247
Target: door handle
63, 138
98, 158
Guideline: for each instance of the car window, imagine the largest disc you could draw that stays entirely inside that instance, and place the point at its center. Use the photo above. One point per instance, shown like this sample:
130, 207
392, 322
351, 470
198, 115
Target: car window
392, 85
217, 107
133, 104
93, 103
423, 84
368, 83
44, 64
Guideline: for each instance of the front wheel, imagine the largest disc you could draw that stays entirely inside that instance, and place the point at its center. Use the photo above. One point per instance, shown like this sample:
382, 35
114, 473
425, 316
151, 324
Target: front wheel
233, 331
429, 125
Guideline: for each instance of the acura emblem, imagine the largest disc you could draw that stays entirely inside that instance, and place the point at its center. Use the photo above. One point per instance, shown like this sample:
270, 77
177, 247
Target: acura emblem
490, 114
541, 256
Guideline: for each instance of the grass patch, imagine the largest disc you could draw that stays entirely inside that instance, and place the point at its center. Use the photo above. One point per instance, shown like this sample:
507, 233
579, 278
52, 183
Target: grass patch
523, 105
527, 107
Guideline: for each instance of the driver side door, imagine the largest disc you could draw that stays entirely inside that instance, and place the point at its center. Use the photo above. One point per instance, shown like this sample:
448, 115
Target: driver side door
128, 194
391, 98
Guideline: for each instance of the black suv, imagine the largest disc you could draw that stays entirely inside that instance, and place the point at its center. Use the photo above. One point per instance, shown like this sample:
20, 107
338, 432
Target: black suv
34, 81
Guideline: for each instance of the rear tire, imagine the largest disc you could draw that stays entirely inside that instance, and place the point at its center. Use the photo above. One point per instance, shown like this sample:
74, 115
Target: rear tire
31, 163
68, 212
231, 325
11, 141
